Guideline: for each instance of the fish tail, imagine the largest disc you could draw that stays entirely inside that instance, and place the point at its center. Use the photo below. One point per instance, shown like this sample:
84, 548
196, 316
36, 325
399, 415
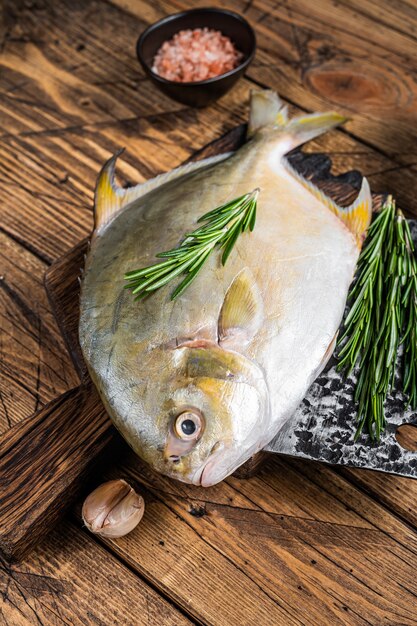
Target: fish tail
268, 111
268, 114
301, 129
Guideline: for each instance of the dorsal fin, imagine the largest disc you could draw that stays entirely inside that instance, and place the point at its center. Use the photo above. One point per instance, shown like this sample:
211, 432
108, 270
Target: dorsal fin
356, 217
241, 314
110, 198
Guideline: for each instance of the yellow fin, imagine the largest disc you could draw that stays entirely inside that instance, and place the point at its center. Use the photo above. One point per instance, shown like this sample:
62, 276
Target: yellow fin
356, 216
305, 127
110, 198
241, 314
266, 109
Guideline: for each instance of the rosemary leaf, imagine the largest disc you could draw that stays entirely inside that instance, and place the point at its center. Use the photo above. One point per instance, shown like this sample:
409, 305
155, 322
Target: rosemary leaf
220, 228
383, 315
409, 339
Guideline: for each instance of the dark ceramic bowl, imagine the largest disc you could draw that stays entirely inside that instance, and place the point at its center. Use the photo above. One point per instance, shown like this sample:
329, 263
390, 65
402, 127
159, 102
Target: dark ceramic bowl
199, 93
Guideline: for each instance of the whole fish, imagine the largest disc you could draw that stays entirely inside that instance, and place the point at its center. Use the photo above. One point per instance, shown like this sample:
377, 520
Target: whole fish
199, 384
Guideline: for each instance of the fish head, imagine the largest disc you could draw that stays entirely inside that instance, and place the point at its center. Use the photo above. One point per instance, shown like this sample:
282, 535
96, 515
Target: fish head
209, 410
194, 407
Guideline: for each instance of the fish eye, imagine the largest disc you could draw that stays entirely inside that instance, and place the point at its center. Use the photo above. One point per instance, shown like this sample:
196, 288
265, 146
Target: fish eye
188, 425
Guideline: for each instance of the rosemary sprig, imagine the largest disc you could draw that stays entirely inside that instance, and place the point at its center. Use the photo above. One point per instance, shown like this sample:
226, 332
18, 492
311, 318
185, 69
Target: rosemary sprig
409, 303
383, 315
221, 227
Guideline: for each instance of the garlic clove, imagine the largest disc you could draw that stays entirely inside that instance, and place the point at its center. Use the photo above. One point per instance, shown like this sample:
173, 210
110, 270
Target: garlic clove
113, 509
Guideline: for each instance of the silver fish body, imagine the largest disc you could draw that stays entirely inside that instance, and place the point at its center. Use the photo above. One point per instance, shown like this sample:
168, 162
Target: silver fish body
234, 355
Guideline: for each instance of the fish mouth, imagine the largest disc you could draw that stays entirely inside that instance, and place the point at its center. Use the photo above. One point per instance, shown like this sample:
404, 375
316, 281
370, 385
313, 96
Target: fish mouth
200, 477
210, 475
205, 480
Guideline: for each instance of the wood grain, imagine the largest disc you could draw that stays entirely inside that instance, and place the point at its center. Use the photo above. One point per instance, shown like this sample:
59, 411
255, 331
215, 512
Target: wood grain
63, 291
71, 93
44, 462
367, 77
72, 580
317, 68
300, 544
57, 157
35, 368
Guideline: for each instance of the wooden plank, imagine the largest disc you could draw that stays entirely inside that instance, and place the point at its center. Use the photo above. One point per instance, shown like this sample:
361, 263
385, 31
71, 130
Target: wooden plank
301, 545
64, 209
394, 492
66, 110
196, 576
70, 579
63, 222
343, 157
35, 367
44, 463
63, 292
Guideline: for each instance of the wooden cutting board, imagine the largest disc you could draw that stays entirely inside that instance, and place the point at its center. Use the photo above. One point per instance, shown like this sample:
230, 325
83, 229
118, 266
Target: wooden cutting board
45, 461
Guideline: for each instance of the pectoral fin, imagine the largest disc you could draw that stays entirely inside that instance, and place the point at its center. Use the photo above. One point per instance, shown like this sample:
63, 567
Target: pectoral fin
241, 314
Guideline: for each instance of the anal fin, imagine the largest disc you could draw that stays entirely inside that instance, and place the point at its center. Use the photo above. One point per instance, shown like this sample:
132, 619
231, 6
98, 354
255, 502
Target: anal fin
357, 216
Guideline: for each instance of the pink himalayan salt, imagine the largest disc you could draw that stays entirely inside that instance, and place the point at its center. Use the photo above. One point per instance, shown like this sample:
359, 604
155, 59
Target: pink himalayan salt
193, 55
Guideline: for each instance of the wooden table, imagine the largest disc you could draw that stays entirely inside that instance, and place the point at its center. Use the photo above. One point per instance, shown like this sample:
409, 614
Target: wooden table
300, 543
